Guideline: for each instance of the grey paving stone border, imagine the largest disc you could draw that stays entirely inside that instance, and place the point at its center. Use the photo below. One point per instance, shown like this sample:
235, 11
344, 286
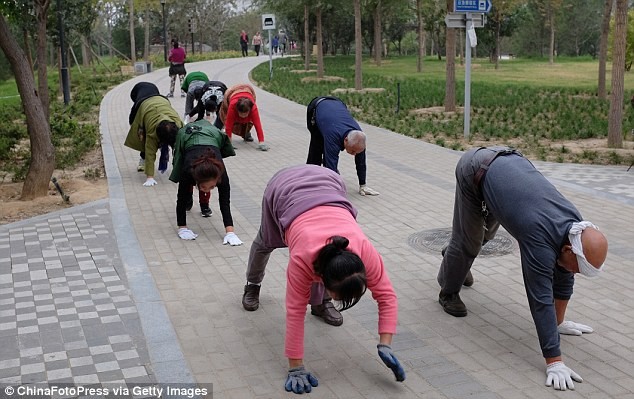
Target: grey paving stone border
158, 330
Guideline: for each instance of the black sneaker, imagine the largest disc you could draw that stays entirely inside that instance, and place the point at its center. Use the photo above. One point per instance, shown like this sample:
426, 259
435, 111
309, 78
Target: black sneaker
468, 281
206, 211
248, 137
452, 304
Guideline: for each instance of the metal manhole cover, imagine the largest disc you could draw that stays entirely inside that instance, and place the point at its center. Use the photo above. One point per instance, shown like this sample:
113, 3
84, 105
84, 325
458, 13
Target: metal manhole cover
434, 240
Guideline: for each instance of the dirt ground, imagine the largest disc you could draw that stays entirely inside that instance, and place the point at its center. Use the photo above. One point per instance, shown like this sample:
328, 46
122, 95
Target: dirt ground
81, 184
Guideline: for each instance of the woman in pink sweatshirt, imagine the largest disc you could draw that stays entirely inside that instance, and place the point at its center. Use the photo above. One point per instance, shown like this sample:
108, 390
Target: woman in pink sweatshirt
305, 208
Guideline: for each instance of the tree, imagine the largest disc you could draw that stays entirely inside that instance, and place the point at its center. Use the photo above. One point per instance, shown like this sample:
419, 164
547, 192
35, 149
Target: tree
306, 38
378, 47
132, 41
615, 118
501, 13
358, 47
42, 151
603, 46
40, 7
320, 42
420, 31
450, 71
549, 10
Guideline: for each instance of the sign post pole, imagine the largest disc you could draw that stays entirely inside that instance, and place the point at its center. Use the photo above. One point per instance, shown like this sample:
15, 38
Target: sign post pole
268, 23
468, 14
467, 79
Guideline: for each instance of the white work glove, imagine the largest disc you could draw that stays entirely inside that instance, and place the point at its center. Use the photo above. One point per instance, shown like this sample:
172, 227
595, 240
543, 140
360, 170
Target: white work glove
560, 376
263, 147
150, 182
571, 328
186, 234
231, 239
365, 190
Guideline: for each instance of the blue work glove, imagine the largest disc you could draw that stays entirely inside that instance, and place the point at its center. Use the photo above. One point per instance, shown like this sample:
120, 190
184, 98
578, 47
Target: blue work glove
299, 380
386, 354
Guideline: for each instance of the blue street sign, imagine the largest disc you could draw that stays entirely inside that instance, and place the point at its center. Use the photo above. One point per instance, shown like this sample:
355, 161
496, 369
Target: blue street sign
482, 6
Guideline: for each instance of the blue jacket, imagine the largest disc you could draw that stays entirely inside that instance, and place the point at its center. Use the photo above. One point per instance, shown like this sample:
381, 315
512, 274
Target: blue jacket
335, 122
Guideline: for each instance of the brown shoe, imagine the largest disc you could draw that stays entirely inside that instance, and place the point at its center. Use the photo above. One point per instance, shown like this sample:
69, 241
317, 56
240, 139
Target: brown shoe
327, 312
251, 297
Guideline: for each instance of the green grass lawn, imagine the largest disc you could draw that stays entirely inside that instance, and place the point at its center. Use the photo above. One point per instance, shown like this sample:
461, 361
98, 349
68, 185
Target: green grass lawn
577, 73
537, 107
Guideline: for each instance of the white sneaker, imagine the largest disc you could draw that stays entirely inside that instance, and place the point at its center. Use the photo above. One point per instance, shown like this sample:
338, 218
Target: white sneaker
141, 166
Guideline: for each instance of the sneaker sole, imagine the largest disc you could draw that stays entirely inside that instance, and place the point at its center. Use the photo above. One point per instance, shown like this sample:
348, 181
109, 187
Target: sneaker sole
453, 313
250, 308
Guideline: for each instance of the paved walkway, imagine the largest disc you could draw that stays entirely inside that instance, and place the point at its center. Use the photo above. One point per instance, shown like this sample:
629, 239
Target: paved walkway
108, 292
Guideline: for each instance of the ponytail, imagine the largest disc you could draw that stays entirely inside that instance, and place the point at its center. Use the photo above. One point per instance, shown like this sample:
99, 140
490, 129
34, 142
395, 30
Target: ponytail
207, 167
342, 271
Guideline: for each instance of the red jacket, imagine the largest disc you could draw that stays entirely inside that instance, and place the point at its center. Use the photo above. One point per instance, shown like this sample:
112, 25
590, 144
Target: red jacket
253, 117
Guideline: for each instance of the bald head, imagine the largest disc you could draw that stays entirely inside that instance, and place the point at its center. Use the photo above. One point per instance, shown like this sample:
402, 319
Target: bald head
354, 143
595, 246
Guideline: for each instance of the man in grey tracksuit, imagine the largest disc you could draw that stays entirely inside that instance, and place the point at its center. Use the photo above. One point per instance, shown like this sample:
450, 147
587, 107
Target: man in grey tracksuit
498, 186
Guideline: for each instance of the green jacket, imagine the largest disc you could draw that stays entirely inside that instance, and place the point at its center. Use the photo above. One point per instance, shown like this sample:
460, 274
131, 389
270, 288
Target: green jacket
198, 133
142, 134
192, 76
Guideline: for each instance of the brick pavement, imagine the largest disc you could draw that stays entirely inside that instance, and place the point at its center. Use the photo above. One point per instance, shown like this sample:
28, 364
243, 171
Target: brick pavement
492, 353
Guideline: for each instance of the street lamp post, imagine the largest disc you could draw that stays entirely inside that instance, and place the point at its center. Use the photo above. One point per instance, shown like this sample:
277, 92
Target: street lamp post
164, 32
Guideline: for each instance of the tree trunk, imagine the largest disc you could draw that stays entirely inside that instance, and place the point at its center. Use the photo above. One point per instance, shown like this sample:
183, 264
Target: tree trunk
86, 53
551, 59
41, 12
615, 118
358, 47
377, 34
320, 46
421, 36
146, 44
603, 46
42, 150
450, 80
27, 48
497, 44
306, 40
110, 46
132, 44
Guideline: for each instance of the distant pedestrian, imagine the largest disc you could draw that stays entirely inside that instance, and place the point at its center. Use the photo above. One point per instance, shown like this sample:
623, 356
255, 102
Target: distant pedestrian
332, 130
275, 42
244, 43
257, 43
176, 59
150, 116
239, 113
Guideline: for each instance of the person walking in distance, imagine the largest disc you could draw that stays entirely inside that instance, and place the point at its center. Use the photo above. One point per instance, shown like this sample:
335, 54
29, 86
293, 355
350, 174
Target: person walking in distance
257, 43
244, 43
176, 59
